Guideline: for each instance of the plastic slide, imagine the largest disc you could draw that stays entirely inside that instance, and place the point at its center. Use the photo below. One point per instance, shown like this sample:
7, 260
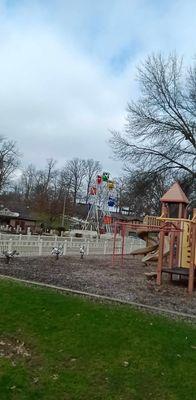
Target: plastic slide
153, 255
153, 245
144, 250
150, 252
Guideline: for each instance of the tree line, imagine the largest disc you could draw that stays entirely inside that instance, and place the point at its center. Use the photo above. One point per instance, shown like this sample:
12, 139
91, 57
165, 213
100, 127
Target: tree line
46, 191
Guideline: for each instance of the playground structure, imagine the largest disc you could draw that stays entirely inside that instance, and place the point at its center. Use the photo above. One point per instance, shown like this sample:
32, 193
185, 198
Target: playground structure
170, 239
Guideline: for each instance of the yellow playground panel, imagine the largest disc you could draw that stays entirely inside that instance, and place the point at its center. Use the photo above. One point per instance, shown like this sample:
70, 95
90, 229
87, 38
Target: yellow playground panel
185, 248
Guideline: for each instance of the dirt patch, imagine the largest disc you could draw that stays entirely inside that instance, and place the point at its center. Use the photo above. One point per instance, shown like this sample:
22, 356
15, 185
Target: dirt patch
96, 275
13, 349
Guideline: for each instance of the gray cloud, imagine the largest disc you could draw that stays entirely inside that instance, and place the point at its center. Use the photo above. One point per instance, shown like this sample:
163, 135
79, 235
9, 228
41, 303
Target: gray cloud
60, 90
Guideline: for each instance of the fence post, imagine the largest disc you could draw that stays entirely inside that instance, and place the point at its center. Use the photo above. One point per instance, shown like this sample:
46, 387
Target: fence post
87, 248
65, 247
40, 247
20, 238
55, 240
10, 245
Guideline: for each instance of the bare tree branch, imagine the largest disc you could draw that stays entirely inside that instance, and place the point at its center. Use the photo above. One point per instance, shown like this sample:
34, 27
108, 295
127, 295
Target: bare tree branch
9, 161
161, 125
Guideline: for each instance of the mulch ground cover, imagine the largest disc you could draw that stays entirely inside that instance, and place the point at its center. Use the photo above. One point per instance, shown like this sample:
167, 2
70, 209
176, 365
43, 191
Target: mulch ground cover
97, 275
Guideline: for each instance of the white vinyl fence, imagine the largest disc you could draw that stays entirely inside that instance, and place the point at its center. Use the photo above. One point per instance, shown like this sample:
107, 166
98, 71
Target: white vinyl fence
32, 246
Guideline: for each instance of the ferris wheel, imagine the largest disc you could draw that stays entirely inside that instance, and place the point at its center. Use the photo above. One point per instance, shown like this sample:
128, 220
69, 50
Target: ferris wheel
102, 200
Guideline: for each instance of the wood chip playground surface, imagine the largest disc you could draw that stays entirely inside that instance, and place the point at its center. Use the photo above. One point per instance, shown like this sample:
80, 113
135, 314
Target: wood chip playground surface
96, 275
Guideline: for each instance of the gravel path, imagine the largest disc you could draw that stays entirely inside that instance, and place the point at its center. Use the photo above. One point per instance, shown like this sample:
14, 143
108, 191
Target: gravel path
96, 275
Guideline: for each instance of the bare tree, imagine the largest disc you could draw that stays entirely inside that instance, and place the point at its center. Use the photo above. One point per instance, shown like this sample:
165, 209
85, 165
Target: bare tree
160, 134
92, 168
121, 193
65, 190
142, 192
28, 181
76, 170
44, 178
9, 161
49, 174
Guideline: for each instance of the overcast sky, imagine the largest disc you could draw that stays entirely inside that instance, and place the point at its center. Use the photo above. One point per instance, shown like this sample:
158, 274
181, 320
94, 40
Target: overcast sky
67, 69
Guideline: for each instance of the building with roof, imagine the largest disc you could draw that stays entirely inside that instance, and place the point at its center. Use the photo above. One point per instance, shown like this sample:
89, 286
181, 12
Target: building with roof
17, 220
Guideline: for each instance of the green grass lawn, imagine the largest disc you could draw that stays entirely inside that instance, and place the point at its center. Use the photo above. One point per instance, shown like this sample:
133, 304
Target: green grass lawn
58, 347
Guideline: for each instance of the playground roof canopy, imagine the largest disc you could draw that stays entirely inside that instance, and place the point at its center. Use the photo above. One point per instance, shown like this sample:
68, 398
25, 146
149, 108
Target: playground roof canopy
174, 195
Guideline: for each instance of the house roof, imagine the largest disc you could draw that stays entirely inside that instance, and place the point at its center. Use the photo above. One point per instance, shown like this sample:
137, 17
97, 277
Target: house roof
19, 213
174, 195
125, 217
25, 214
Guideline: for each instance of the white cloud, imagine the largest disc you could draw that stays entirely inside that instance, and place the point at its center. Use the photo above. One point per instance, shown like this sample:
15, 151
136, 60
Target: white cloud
54, 99
67, 70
